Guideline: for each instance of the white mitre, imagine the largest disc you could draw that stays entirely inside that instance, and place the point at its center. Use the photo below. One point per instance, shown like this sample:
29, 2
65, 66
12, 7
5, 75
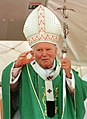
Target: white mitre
42, 26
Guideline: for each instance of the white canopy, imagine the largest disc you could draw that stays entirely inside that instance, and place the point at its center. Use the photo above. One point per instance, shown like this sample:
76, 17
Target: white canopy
10, 50
76, 11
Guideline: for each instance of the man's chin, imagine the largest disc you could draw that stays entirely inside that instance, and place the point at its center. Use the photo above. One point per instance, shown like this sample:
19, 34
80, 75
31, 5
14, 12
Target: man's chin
46, 66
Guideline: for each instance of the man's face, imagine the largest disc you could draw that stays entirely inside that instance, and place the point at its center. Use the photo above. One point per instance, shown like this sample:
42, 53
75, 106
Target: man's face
45, 54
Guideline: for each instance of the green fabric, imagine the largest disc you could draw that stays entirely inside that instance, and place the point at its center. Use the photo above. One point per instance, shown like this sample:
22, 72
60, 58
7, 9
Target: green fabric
29, 107
6, 91
80, 96
31, 103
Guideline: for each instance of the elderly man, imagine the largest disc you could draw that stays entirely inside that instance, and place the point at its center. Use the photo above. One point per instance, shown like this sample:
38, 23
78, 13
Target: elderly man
33, 86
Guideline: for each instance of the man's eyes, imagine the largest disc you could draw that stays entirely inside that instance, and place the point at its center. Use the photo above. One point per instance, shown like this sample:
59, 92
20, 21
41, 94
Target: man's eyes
43, 50
48, 49
39, 49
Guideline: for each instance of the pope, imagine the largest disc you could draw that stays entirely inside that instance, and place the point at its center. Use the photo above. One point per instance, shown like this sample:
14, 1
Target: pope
32, 86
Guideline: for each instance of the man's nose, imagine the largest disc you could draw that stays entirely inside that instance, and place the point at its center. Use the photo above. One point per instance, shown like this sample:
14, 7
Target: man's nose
44, 52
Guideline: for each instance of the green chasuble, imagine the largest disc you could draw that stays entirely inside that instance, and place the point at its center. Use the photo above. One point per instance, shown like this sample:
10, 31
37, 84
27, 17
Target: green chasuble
31, 96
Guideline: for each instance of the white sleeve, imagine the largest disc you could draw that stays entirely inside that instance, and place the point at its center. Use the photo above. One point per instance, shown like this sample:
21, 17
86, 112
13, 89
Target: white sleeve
71, 82
14, 74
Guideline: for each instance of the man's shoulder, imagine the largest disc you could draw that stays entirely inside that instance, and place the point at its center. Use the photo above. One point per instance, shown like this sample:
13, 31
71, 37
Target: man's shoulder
8, 67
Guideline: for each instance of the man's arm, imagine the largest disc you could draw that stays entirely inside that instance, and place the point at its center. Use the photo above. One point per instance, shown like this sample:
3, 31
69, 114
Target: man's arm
16, 69
66, 65
71, 83
14, 76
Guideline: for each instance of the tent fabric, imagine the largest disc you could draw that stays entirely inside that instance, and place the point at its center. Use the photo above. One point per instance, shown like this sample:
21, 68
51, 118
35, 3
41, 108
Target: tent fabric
9, 52
76, 11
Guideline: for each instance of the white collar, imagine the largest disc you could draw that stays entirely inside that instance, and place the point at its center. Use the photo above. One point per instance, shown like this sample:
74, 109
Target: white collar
42, 72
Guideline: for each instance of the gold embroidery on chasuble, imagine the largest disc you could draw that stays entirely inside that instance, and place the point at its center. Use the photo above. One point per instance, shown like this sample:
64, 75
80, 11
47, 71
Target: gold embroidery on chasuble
56, 100
44, 101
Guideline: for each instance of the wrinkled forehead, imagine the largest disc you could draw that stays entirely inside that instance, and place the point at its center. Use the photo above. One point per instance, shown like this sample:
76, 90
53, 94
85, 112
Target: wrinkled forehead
44, 45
